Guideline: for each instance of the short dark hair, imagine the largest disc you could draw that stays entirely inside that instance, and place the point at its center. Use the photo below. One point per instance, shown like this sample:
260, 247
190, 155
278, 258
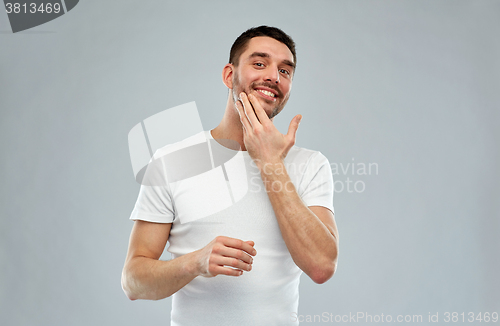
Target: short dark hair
240, 44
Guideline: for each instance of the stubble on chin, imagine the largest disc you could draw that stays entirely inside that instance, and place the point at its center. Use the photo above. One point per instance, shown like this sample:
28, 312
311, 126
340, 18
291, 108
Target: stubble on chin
236, 97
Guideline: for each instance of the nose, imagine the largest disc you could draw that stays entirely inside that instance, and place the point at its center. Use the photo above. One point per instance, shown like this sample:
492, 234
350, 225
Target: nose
272, 75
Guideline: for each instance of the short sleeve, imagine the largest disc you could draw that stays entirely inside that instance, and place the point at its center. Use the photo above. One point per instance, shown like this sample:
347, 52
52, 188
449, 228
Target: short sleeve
317, 182
154, 203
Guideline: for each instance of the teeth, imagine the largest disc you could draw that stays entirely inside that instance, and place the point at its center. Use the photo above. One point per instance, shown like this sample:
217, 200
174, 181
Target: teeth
266, 93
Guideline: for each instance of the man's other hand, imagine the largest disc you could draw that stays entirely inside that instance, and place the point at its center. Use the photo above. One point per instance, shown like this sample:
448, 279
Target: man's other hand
226, 256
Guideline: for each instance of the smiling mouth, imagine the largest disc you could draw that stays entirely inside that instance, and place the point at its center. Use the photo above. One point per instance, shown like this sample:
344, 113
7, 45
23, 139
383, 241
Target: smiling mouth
267, 94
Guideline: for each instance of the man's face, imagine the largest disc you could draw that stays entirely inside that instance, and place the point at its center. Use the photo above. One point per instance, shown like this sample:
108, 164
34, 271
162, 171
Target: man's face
265, 69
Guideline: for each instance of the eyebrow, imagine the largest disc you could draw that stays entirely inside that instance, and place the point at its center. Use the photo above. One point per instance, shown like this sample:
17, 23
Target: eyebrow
266, 55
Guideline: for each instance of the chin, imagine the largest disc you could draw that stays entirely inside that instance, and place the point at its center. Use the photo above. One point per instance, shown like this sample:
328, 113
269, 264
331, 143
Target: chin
271, 109
274, 112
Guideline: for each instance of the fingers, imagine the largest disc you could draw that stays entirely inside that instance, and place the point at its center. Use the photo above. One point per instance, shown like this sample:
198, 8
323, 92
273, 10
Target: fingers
259, 111
249, 110
237, 244
294, 125
250, 243
216, 270
231, 262
230, 256
243, 118
235, 253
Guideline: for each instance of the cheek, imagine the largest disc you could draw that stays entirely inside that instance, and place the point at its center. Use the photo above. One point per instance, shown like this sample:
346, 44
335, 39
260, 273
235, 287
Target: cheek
286, 90
250, 76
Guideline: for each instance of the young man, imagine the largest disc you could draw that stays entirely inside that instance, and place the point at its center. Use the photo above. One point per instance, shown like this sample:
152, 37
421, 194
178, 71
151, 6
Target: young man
216, 275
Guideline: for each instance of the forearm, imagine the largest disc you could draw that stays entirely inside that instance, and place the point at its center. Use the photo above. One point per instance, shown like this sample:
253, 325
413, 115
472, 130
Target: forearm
312, 245
151, 279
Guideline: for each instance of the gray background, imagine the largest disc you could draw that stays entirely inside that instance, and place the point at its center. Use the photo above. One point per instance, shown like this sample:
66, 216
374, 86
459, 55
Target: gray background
409, 85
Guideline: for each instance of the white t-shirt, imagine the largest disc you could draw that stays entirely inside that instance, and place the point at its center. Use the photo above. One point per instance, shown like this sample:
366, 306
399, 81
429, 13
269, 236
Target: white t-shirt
231, 200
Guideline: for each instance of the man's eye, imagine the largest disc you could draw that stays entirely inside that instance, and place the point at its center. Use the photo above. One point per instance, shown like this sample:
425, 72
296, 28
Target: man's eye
258, 64
285, 71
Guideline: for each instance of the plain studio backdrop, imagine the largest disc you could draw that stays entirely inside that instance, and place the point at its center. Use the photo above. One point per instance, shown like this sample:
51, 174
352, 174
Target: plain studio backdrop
408, 88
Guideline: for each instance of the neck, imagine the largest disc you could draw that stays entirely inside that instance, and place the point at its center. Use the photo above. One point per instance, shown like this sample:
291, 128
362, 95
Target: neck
230, 127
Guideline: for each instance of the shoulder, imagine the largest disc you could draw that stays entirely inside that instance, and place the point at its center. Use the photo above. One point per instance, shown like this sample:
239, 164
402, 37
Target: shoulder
301, 162
304, 155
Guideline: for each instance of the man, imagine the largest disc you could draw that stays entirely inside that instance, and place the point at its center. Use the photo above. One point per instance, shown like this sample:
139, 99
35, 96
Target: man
216, 276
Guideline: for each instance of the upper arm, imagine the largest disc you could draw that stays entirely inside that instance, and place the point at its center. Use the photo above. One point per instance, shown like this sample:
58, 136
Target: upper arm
327, 217
148, 239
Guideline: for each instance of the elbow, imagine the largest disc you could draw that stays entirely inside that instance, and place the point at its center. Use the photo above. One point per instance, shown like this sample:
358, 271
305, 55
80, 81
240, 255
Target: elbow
321, 274
129, 294
325, 267
131, 285
127, 288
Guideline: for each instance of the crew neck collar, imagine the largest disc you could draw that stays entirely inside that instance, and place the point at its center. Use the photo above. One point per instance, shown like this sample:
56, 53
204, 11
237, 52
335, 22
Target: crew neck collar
208, 135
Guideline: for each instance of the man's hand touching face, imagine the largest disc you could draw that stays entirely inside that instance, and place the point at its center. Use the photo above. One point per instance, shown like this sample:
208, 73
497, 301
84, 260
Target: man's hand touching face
264, 143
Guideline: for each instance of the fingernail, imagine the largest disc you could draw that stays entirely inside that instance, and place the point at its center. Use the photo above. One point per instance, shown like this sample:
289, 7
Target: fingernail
242, 94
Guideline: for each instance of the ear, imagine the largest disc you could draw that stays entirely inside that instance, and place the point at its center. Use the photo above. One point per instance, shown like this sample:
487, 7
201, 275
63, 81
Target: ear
227, 75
